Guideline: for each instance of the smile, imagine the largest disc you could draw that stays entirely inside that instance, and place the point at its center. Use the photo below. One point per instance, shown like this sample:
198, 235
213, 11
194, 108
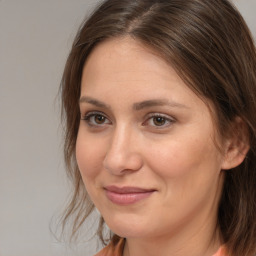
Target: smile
127, 195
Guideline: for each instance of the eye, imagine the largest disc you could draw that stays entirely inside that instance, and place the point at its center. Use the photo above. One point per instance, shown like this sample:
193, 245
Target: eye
159, 121
96, 119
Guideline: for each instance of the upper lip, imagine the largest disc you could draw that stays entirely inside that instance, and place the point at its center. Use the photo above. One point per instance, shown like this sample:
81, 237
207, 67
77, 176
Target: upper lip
127, 190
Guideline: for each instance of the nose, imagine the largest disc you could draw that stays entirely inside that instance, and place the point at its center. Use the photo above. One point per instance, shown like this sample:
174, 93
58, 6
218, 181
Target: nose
123, 155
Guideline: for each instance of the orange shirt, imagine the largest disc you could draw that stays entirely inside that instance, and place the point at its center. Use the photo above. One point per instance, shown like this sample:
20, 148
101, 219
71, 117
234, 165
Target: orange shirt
117, 250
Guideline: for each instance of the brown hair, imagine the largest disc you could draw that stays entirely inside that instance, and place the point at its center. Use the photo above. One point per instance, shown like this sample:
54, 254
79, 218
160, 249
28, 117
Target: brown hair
211, 48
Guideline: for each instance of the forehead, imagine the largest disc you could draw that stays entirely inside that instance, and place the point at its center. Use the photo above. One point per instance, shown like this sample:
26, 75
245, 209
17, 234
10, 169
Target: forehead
121, 53
127, 61
125, 66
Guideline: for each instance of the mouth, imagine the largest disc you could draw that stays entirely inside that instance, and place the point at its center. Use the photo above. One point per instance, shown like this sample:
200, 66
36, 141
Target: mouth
127, 195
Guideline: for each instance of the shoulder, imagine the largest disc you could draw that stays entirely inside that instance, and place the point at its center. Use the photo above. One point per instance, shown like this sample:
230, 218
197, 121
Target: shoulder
113, 249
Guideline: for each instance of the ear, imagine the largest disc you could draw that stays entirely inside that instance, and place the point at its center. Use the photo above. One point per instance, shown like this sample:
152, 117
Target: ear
237, 145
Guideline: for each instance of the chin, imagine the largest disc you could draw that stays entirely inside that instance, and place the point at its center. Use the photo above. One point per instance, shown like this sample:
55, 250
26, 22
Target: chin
128, 226
129, 232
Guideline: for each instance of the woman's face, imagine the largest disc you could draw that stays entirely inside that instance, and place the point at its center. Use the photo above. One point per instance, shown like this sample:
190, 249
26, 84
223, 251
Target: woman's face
145, 146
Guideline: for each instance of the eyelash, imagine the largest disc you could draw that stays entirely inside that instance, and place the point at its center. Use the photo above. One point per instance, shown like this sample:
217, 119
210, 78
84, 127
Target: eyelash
89, 115
165, 119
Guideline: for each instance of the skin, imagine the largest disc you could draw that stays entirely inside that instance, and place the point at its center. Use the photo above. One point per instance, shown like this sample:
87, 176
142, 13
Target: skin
120, 142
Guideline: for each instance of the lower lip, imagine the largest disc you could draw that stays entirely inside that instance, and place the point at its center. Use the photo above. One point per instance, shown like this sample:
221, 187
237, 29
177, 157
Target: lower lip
129, 198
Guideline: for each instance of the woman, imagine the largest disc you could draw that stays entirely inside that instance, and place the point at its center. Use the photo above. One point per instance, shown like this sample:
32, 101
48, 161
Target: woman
159, 104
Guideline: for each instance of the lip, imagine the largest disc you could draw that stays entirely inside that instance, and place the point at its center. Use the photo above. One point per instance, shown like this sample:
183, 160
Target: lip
127, 195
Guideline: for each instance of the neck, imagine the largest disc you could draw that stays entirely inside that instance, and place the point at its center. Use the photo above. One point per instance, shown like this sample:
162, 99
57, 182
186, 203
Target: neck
199, 238
194, 246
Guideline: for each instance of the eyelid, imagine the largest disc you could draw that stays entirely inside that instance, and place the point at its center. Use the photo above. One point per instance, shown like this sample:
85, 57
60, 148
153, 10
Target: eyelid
90, 114
168, 118
157, 114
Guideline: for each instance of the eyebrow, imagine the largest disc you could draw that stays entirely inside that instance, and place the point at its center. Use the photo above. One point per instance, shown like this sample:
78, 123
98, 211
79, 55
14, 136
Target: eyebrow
136, 106
157, 102
92, 101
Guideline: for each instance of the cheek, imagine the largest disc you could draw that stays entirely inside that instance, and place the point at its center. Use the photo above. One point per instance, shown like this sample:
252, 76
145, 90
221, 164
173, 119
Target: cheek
186, 157
89, 156
188, 174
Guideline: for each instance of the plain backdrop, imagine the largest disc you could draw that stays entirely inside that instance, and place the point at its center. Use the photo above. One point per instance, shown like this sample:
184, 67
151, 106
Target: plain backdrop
35, 38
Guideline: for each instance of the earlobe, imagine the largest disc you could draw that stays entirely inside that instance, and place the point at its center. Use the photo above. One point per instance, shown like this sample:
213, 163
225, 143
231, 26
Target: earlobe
237, 146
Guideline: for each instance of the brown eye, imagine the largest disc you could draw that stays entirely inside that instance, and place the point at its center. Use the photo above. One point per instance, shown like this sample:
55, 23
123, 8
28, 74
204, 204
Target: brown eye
99, 119
96, 119
159, 120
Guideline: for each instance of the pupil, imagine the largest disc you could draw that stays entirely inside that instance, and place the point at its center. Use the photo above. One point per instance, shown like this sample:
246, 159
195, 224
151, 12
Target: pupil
159, 121
99, 119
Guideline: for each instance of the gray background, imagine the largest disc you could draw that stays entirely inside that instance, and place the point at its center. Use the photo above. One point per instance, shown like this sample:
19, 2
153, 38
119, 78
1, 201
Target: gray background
35, 37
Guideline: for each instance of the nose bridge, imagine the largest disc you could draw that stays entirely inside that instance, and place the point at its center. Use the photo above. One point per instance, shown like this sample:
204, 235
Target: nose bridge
121, 138
122, 154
